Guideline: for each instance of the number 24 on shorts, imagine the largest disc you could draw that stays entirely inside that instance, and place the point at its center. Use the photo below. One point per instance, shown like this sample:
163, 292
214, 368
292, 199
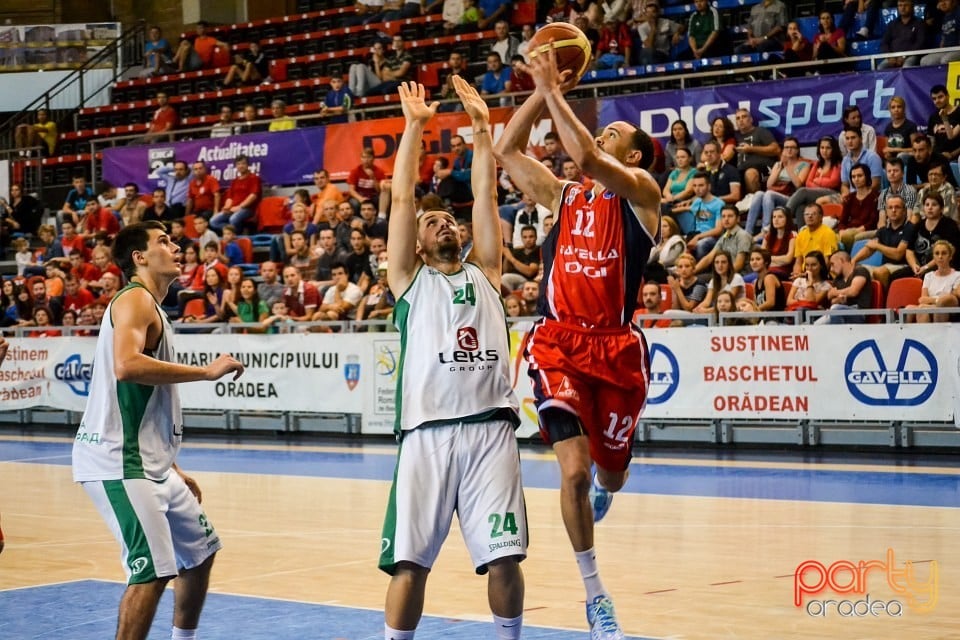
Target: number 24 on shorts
507, 522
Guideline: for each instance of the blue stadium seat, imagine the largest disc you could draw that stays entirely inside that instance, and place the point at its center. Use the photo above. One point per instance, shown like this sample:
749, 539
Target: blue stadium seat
875, 260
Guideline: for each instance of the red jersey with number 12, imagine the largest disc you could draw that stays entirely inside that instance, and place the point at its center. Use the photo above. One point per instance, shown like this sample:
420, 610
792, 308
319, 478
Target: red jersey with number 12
593, 260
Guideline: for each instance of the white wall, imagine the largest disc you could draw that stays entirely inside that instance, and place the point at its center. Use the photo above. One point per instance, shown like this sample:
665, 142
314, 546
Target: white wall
18, 90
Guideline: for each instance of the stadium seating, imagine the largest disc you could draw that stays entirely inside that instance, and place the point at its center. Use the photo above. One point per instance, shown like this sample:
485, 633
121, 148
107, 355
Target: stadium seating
875, 260
903, 292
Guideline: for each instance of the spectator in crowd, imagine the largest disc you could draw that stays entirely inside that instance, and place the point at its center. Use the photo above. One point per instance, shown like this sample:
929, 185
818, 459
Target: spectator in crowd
470, 17
282, 244
364, 12
891, 241
678, 187
897, 187
941, 285
520, 80
664, 254
900, 131
241, 199
656, 36
572, 173
157, 54
933, 226
300, 255
178, 234
97, 220
75, 296
373, 225
281, 121
706, 209
814, 236
870, 9
650, 305
949, 35
301, 297
526, 34
203, 193
831, 42
705, 32
937, 183
614, 39
76, 200
44, 322
859, 213
163, 122
341, 298
248, 308
757, 149
176, 186
456, 66
810, 287
680, 137
769, 295
21, 214
251, 122
22, 256
688, 292
225, 127
850, 289
787, 175
722, 133
853, 118
823, 180
765, 28
402, 9
496, 80
857, 153
205, 45
250, 67
343, 225
43, 134
270, 289
722, 278
327, 254
491, 11
326, 192
723, 177
230, 252
365, 180
132, 206
944, 123
796, 48
918, 164
212, 296
553, 151
158, 210
523, 263
396, 68
906, 33
358, 261
379, 303
513, 217
186, 58
337, 102
504, 44
733, 241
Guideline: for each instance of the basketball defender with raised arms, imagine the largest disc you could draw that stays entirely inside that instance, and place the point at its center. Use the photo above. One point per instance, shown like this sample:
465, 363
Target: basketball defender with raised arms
125, 451
589, 365
456, 410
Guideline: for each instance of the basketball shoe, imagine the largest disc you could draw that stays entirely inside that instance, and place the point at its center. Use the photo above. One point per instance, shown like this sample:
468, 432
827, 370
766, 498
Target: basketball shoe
603, 620
600, 500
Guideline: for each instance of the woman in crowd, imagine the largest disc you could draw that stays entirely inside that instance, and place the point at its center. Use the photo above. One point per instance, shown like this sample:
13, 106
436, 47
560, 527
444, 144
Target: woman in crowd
677, 188
688, 291
786, 176
780, 241
20, 214
809, 291
248, 307
899, 132
44, 323
663, 256
822, 180
941, 287
721, 132
769, 292
680, 138
231, 292
859, 213
724, 278
831, 43
724, 304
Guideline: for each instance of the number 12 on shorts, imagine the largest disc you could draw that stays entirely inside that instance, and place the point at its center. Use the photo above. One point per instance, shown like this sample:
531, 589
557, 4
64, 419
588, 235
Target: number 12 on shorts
507, 522
612, 431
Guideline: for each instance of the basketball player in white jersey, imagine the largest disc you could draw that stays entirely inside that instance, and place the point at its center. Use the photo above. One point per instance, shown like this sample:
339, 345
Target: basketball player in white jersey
125, 450
456, 410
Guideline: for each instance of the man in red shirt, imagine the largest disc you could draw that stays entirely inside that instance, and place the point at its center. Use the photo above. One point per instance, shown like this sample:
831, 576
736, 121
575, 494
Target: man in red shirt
302, 298
203, 195
96, 219
75, 297
205, 45
83, 271
71, 241
240, 203
363, 183
163, 122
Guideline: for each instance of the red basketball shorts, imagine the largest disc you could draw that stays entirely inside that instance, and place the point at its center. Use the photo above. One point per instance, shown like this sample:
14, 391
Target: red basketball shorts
599, 375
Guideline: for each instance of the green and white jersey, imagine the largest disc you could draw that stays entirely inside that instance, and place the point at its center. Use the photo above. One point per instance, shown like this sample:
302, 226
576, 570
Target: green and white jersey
454, 349
128, 430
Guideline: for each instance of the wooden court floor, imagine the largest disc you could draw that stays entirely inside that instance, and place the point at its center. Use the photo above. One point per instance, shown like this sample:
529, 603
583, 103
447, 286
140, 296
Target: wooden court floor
693, 548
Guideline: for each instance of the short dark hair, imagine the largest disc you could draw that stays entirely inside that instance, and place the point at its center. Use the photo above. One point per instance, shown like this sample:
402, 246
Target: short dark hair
241, 158
133, 237
701, 174
527, 227
339, 264
642, 143
938, 88
894, 161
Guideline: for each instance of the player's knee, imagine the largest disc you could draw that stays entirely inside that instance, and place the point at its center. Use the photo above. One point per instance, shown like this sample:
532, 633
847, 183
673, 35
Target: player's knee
612, 481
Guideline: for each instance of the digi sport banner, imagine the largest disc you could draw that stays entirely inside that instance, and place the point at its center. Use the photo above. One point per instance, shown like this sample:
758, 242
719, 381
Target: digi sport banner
808, 108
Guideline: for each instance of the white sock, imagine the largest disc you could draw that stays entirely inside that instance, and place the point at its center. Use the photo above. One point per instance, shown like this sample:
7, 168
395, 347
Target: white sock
597, 484
389, 633
587, 561
184, 634
508, 628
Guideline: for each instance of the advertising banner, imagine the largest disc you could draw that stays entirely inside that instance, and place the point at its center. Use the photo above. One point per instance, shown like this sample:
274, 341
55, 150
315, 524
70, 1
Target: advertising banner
279, 158
807, 108
344, 141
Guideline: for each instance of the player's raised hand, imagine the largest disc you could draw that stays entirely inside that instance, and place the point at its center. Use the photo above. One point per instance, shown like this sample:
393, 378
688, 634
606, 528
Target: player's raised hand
415, 107
546, 76
222, 366
473, 104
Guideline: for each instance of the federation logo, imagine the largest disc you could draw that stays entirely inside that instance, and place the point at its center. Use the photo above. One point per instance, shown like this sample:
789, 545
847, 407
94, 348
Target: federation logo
878, 382
467, 339
75, 374
386, 360
351, 371
664, 374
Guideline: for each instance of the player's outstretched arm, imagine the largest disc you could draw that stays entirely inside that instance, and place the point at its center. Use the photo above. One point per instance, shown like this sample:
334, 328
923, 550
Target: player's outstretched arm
487, 236
137, 324
402, 236
528, 174
636, 185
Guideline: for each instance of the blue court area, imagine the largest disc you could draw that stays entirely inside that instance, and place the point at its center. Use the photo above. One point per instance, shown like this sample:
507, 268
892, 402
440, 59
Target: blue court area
900, 485
86, 610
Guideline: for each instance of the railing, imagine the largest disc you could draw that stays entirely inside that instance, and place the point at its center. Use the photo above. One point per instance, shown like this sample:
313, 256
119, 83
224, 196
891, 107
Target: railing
127, 49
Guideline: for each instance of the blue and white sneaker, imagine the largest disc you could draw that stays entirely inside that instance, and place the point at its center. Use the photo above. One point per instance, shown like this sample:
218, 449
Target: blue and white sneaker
603, 619
600, 500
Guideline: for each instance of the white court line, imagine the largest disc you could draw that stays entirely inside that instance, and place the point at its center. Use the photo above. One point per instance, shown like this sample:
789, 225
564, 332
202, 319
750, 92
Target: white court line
36, 459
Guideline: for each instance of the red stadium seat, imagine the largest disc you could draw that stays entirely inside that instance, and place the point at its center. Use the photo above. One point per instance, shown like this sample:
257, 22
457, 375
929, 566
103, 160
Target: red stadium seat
272, 214
903, 292
194, 308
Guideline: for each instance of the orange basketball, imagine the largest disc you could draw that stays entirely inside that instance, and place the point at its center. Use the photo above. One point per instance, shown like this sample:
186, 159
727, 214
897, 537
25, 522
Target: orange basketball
572, 47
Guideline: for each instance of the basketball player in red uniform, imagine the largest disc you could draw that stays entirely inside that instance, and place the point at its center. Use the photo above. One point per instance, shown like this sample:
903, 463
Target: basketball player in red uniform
589, 365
